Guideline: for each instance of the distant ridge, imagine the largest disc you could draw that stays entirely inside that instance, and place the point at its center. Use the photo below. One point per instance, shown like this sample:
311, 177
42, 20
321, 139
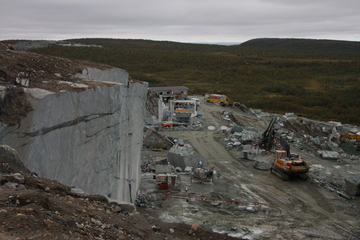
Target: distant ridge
313, 78
305, 44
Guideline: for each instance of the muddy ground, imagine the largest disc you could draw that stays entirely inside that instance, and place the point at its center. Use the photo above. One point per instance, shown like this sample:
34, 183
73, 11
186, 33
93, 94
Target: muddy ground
296, 209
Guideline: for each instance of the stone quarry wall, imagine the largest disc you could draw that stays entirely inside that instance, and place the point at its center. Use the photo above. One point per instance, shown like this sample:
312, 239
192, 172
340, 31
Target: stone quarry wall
90, 139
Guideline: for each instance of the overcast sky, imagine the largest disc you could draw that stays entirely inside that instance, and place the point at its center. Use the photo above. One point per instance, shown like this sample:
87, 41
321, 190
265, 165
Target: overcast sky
180, 20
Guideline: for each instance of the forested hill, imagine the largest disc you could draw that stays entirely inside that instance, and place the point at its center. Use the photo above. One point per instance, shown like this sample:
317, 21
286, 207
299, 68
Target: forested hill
305, 44
319, 79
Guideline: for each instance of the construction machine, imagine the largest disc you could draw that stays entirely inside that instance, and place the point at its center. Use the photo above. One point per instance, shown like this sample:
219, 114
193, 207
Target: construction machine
285, 163
220, 98
268, 136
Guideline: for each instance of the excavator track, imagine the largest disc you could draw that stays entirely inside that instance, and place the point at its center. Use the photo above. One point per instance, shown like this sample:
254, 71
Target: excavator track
304, 175
280, 174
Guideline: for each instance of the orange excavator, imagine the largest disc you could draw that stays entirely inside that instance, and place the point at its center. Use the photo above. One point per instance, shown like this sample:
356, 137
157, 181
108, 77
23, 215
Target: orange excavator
285, 163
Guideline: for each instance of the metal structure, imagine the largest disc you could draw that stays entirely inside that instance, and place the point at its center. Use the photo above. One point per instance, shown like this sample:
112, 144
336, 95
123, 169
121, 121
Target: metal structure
201, 175
268, 136
186, 102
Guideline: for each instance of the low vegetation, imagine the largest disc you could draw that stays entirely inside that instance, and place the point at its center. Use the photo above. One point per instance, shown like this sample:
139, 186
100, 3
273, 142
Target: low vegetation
318, 79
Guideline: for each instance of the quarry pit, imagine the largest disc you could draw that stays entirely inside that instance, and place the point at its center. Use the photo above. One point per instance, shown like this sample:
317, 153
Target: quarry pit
80, 127
295, 209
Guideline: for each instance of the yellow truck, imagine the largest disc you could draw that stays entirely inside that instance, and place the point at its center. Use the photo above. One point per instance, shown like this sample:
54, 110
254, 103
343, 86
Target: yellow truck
217, 98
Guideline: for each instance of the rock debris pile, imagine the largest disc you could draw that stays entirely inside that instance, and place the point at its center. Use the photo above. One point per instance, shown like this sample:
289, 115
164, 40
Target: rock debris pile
324, 140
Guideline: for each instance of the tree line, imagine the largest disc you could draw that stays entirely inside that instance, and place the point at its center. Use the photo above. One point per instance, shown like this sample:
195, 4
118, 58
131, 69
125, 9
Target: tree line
319, 84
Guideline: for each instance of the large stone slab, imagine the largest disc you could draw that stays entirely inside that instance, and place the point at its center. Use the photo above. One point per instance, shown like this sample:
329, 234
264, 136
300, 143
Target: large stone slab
8, 154
185, 157
352, 185
249, 136
329, 155
262, 162
153, 139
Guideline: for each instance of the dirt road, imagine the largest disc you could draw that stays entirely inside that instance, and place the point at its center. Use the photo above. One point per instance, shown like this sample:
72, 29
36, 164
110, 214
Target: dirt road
297, 209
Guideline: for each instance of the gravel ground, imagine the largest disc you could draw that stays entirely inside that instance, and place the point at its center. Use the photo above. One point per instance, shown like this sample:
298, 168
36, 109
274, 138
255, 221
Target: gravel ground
296, 209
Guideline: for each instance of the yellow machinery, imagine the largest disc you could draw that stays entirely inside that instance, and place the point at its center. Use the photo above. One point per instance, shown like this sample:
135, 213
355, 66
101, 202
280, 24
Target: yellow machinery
286, 165
351, 136
219, 98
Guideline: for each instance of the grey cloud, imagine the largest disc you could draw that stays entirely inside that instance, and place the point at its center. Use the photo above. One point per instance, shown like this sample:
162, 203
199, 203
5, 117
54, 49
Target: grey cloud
186, 20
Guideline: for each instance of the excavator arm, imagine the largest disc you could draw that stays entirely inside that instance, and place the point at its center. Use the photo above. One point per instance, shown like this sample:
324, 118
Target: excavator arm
351, 136
268, 136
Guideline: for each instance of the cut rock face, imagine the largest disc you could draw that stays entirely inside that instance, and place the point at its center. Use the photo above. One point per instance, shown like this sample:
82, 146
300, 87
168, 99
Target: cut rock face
90, 139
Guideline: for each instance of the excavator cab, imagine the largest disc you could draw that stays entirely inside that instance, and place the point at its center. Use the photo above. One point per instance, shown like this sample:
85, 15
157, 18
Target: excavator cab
280, 154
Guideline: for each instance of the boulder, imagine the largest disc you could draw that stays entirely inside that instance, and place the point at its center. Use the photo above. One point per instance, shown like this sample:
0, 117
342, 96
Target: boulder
185, 157
194, 228
126, 207
77, 191
352, 185
151, 120
249, 136
11, 185
329, 155
15, 178
263, 163
354, 130
9, 154
188, 169
153, 139
18, 178
236, 128
10, 162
